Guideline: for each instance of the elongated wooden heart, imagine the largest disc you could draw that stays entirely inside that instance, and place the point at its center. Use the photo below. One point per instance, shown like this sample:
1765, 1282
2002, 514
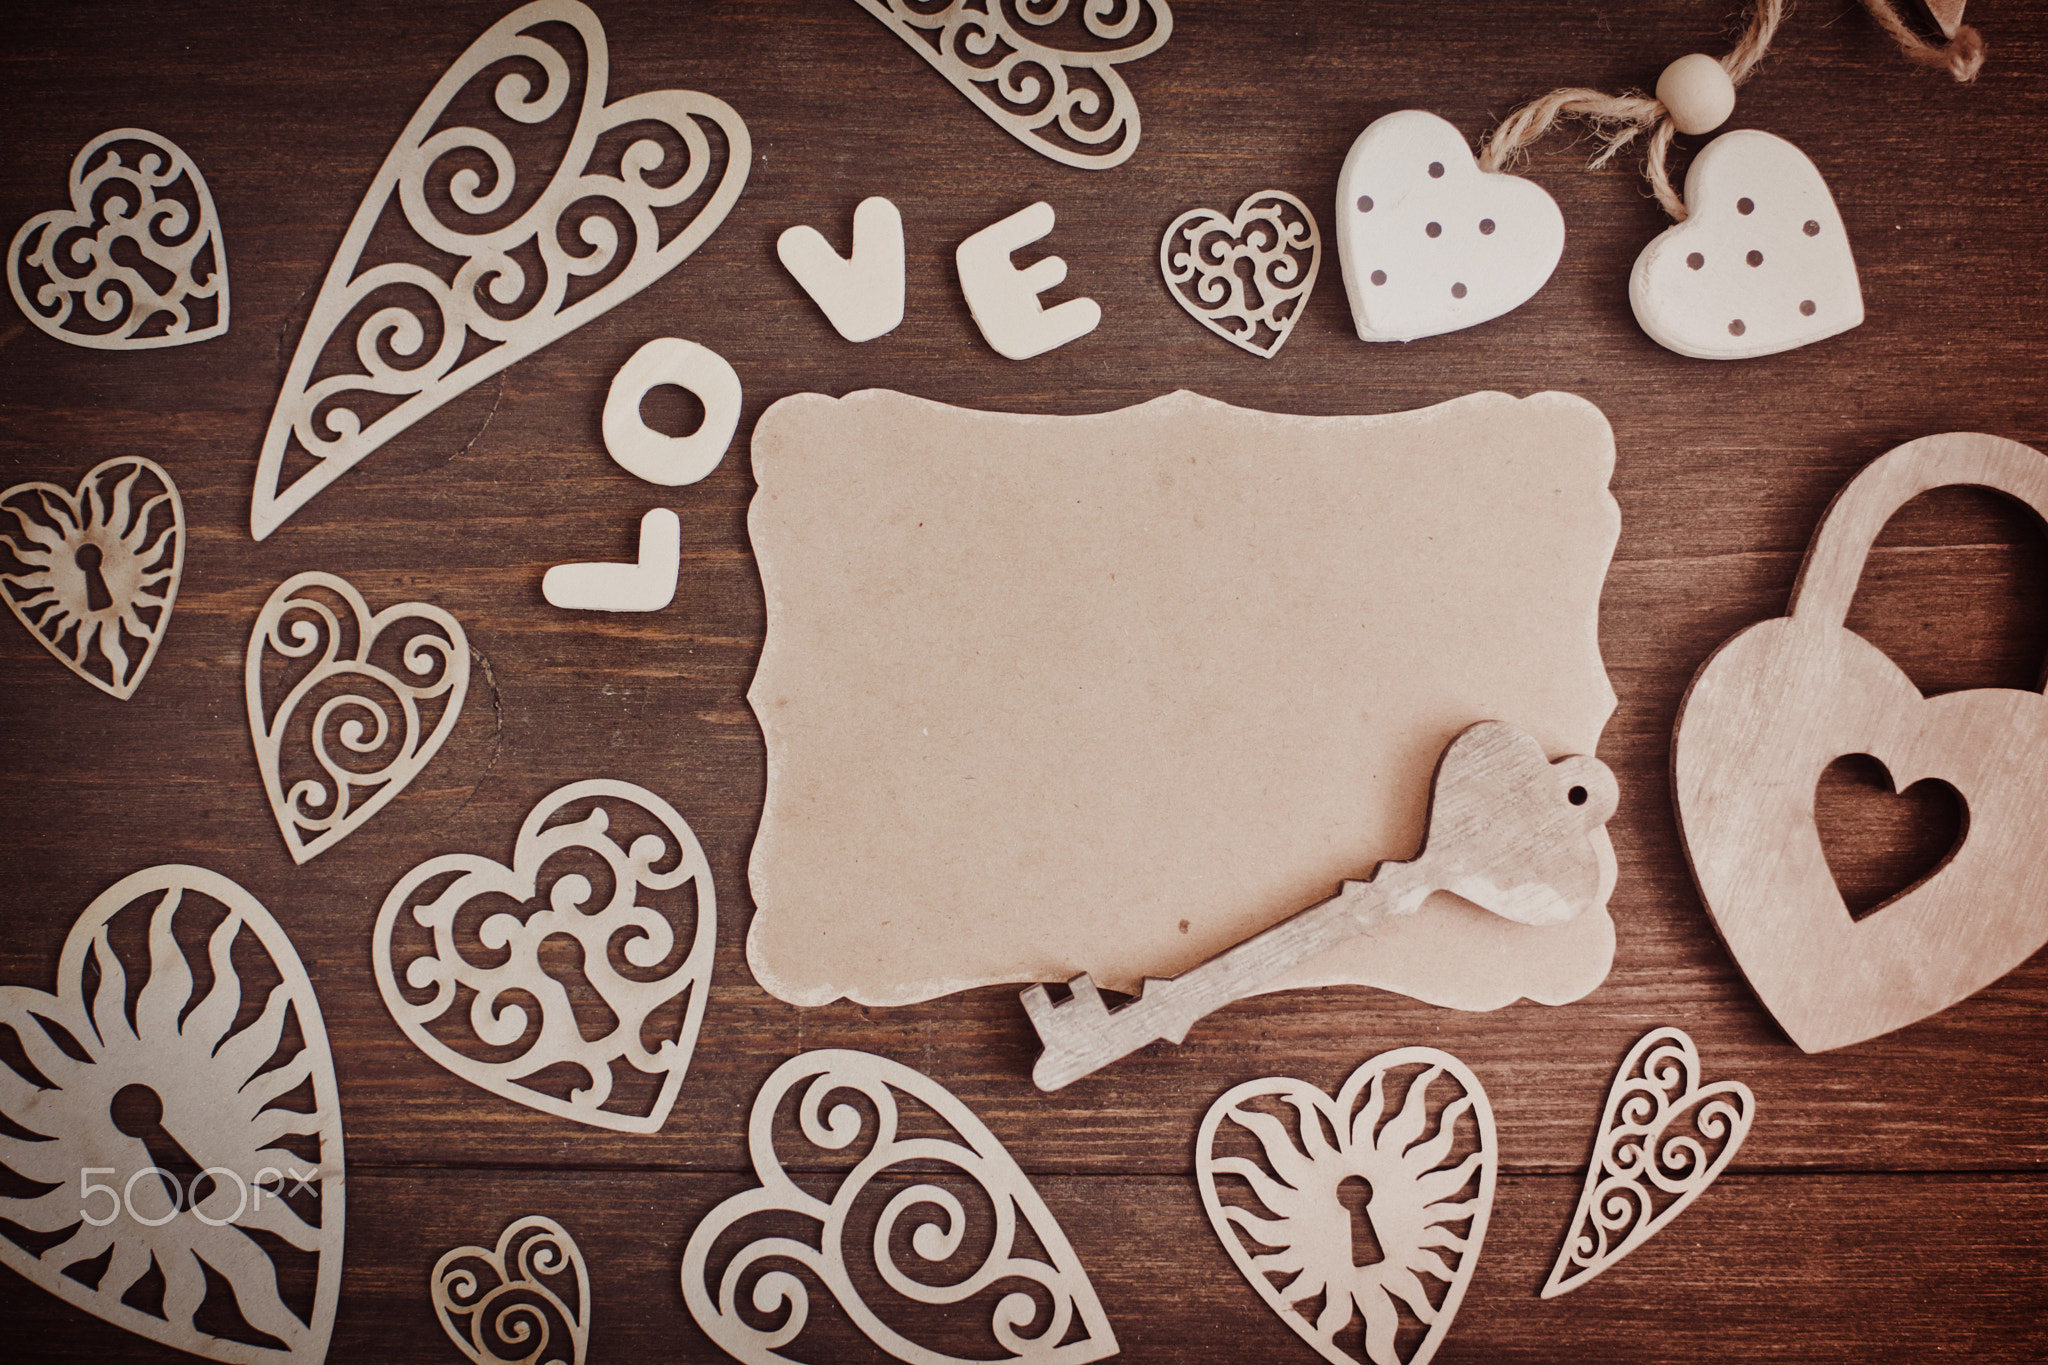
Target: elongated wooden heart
1284, 1194
137, 262
503, 1306
97, 570
181, 1134
606, 865
1009, 1301
420, 338
1245, 278
348, 718
1666, 1135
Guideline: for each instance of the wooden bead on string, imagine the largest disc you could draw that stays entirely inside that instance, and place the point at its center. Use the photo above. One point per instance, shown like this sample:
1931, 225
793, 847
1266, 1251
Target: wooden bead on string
1697, 93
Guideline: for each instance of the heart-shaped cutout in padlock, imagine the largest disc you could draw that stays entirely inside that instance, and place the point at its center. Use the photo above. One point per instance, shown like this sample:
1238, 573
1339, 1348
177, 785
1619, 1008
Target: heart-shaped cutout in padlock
1779, 702
610, 871
1245, 278
1410, 1133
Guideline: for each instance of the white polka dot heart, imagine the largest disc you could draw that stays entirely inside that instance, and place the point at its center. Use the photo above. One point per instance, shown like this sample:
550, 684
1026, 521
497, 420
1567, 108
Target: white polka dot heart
1761, 265
1429, 243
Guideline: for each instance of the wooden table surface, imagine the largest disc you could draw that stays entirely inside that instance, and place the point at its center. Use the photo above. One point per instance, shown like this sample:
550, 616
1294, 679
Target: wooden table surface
1889, 1204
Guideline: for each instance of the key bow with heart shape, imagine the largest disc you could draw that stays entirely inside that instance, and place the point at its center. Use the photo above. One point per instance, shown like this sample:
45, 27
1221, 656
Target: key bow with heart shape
491, 313
437, 967
1274, 238
500, 1306
1781, 700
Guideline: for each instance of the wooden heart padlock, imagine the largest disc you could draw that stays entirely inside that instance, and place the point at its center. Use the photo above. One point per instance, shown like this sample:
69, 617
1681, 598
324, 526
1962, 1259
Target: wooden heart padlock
1784, 698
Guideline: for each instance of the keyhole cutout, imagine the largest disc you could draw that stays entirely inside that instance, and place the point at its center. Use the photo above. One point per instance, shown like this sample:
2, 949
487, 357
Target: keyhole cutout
1354, 1192
97, 597
138, 1111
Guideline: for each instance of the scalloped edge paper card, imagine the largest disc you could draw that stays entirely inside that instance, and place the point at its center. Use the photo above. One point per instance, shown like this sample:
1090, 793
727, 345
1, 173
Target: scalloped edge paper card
1046, 695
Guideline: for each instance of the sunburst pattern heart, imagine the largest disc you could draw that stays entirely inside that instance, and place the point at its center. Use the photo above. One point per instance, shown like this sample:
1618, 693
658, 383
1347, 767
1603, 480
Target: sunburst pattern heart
503, 1306
97, 569
491, 313
363, 731
1664, 1138
896, 1126
617, 872
1246, 278
172, 1127
1411, 1135
143, 228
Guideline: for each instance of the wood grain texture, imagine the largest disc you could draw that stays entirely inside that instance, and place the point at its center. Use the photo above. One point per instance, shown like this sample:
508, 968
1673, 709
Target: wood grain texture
1892, 1198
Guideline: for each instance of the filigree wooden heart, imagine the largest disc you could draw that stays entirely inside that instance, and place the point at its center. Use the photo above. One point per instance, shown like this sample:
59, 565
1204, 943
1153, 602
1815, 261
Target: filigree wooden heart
491, 313
1427, 1171
143, 227
1665, 1136
172, 1129
1016, 1301
364, 730
619, 868
502, 1306
1246, 278
97, 569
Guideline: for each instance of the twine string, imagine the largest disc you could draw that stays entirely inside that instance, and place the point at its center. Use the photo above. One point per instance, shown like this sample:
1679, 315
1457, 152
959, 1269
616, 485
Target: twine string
1961, 56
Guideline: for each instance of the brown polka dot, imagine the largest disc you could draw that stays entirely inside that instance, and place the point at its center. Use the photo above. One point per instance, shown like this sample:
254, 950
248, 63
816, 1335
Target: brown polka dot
1812, 229
1365, 203
1736, 329
1695, 260
1435, 229
1806, 308
1457, 291
1755, 258
1379, 277
1486, 227
1436, 170
1745, 206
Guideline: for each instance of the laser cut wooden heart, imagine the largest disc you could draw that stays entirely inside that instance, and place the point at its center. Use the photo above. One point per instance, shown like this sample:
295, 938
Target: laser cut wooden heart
501, 1306
1665, 1136
99, 568
217, 1164
1057, 1320
469, 988
1425, 1174
490, 315
339, 709
1245, 278
1780, 701
143, 226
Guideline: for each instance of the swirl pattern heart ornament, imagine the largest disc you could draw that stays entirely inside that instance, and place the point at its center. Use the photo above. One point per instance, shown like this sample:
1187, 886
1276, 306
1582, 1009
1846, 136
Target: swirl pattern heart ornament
136, 263
613, 899
96, 570
348, 720
1206, 259
180, 1128
1410, 1134
888, 1126
419, 339
1665, 1137
1046, 93
505, 1306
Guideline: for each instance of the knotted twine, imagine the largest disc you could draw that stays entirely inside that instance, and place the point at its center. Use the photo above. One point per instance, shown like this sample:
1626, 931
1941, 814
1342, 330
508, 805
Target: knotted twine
1620, 119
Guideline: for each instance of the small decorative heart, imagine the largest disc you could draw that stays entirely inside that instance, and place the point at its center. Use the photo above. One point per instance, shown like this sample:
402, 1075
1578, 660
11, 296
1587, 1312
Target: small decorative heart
1664, 1138
1420, 1177
491, 314
135, 197
469, 986
1429, 243
348, 695
1246, 279
161, 1126
98, 568
501, 1307
1760, 265
1037, 1301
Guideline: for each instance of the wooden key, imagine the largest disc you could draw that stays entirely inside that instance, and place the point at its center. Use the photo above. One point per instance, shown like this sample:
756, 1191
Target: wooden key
1508, 830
